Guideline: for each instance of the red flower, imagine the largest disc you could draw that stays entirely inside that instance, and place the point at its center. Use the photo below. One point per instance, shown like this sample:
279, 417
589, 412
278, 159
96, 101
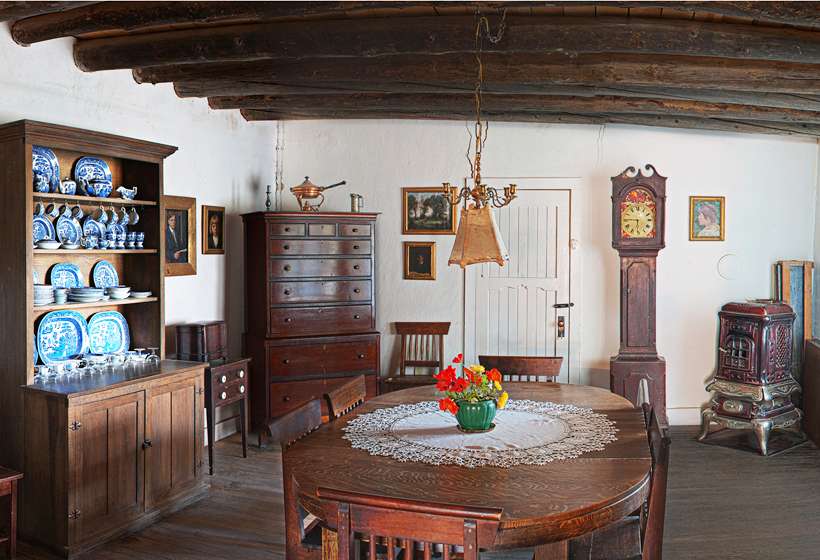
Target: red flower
448, 404
445, 378
458, 359
494, 375
459, 385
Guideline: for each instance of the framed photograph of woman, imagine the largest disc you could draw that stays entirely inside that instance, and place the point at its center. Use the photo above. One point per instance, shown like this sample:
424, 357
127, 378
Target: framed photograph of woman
213, 230
179, 224
427, 211
419, 260
707, 218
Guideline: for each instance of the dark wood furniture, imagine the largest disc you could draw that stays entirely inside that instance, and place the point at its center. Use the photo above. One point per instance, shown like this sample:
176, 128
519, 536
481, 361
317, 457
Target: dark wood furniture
108, 453
406, 525
422, 346
202, 342
345, 398
311, 310
226, 384
638, 226
524, 368
753, 384
8, 528
596, 491
811, 390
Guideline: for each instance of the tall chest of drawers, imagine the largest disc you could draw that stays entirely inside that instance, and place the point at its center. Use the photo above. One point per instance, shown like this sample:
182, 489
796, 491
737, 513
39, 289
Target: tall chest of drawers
310, 306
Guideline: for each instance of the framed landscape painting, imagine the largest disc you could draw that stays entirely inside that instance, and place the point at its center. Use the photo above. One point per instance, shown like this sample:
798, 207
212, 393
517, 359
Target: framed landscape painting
427, 211
707, 218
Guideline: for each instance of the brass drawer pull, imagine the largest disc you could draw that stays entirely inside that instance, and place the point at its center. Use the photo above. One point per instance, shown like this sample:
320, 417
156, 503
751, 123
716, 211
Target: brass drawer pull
361, 356
288, 319
241, 373
355, 246
287, 268
285, 247
241, 388
287, 229
286, 361
286, 398
355, 230
224, 378
356, 290
357, 316
356, 267
224, 395
287, 292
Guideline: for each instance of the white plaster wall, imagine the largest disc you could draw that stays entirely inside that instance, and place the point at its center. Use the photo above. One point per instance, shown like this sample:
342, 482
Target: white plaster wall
769, 184
222, 160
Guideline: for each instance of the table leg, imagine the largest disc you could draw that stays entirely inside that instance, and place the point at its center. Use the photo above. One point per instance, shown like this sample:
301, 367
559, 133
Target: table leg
552, 551
243, 426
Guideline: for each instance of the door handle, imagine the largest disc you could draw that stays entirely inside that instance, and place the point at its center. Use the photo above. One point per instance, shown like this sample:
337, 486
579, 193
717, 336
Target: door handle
563, 305
562, 327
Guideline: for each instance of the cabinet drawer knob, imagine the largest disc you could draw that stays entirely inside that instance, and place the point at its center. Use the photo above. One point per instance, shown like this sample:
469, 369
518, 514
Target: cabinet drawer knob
357, 316
356, 267
355, 230
287, 229
287, 268
356, 290
287, 292
286, 398
147, 443
241, 388
288, 319
356, 247
241, 373
224, 378
286, 361
223, 396
361, 356
285, 247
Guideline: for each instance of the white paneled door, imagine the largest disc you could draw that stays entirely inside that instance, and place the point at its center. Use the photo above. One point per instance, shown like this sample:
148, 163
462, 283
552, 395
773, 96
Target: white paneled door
511, 310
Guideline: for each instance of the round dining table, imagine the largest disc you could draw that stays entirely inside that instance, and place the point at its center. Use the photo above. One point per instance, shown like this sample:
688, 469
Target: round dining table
543, 506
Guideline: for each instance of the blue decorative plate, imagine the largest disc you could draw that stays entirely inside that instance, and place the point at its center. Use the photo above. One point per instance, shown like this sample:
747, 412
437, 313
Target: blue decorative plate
91, 169
61, 335
65, 275
44, 163
105, 275
69, 230
93, 228
42, 228
108, 333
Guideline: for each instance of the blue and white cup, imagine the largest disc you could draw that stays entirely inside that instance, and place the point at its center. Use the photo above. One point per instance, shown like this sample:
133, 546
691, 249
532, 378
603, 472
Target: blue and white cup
120, 241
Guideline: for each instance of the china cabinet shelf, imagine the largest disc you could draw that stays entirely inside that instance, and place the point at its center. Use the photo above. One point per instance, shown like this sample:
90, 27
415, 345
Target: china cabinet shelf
95, 251
92, 200
40, 309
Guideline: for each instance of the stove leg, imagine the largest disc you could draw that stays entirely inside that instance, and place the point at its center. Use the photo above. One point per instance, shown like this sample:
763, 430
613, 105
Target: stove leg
706, 420
762, 431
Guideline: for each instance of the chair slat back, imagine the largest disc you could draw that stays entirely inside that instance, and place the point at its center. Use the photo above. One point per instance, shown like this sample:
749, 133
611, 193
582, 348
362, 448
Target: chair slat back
407, 525
297, 423
346, 397
422, 344
659, 443
524, 368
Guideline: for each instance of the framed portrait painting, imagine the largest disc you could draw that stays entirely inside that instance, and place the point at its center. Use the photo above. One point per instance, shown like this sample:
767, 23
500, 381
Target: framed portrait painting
427, 211
419, 260
213, 230
707, 218
179, 225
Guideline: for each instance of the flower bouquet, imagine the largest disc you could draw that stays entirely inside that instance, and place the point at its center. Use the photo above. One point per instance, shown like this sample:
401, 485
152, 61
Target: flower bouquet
473, 397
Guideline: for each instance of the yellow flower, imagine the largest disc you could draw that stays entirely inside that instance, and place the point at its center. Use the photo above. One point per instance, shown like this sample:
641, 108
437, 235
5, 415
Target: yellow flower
502, 400
476, 368
497, 385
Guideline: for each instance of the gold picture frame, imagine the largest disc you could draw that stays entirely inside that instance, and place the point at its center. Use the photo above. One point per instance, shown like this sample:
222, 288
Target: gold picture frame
213, 242
435, 202
707, 218
419, 260
179, 235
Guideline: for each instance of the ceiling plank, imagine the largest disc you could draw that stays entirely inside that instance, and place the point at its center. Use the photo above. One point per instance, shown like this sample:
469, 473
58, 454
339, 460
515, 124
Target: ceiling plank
444, 35
16, 10
509, 72
463, 103
727, 125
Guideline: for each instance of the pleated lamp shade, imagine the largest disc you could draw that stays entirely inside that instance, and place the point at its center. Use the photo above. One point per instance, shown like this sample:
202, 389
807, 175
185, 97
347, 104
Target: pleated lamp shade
478, 239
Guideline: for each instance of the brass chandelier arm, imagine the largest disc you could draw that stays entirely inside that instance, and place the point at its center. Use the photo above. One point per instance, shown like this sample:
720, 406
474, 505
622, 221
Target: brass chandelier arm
482, 195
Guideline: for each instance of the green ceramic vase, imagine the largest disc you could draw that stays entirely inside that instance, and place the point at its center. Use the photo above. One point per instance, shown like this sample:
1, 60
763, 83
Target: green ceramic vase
475, 417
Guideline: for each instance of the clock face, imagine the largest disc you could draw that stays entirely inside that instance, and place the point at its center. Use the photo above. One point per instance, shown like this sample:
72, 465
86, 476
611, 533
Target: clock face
638, 215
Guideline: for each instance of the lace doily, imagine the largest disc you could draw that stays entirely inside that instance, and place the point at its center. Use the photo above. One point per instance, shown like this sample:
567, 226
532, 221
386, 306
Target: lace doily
526, 433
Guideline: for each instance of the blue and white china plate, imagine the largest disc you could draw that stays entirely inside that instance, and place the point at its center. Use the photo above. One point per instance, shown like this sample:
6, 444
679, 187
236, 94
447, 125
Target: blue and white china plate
91, 169
44, 163
108, 333
69, 230
105, 275
65, 275
61, 335
42, 228
93, 228
36, 355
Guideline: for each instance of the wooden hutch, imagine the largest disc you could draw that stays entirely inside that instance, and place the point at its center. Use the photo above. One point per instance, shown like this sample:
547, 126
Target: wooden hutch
310, 306
106, 453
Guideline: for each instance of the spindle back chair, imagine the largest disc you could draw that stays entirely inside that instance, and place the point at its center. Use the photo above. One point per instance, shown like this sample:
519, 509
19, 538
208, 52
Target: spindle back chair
422, 346
524, 368
346, 397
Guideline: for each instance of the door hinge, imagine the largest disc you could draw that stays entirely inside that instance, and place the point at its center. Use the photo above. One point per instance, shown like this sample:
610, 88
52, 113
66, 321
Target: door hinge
75, 425
74, 514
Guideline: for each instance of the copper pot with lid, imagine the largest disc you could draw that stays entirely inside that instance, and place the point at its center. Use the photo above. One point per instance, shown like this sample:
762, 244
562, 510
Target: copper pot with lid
307, 191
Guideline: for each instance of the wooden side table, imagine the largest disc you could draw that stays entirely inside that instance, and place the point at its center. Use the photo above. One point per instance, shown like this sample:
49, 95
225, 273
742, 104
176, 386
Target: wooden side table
226, 383
8, 490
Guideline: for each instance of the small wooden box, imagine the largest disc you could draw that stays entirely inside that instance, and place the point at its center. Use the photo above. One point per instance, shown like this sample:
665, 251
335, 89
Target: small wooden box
202, 342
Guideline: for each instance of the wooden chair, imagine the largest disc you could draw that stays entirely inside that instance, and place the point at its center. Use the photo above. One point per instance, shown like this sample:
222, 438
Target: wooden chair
524, 368
345, 398
636, 537
422, 346
382, 525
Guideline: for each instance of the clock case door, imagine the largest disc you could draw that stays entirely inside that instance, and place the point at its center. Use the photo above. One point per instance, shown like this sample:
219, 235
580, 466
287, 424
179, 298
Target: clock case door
622, 185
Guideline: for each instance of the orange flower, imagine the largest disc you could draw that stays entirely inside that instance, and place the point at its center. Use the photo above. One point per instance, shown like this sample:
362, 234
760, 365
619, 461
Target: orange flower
459, 385
448, 404
494, 375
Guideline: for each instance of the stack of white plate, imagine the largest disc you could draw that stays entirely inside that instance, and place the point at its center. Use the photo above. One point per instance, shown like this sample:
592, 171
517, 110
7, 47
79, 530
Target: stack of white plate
85, 295
140, 295
43, 294
118, 292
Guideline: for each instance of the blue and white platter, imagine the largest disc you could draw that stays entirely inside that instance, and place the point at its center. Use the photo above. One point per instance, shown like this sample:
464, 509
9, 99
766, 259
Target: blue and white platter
44, 163
69, 230
42, 228
105, 275
108, 333
61, 335
93, 228
65, 275
91, 169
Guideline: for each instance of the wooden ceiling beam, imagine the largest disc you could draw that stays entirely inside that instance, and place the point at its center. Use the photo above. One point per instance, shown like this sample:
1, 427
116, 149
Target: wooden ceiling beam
512, 73
368, 38
727, 125
17, 10
124, 17
463, 104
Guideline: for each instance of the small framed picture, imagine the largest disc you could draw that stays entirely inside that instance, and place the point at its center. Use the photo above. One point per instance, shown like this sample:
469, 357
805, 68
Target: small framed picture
707, 218
213, 230
419, 260
427, 211
179, 224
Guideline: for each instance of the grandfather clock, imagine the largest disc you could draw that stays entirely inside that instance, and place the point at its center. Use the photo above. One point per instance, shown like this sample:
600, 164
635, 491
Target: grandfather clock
638, 220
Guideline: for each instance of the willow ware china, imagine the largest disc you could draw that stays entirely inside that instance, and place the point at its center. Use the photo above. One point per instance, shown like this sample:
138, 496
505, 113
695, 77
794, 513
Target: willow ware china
100, 215
39, 209
61, 335
53, 210
99, 189
69, 229
114, 217
93, 228
44, 164
77, 212
108, 333
133, 217
89, 242
41, 184
65, 275
67, 186
121, 240
48, 244
103, 243
104, 275
140, 295
126, 193
42, 228
92, 169
124, 217
71, 246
